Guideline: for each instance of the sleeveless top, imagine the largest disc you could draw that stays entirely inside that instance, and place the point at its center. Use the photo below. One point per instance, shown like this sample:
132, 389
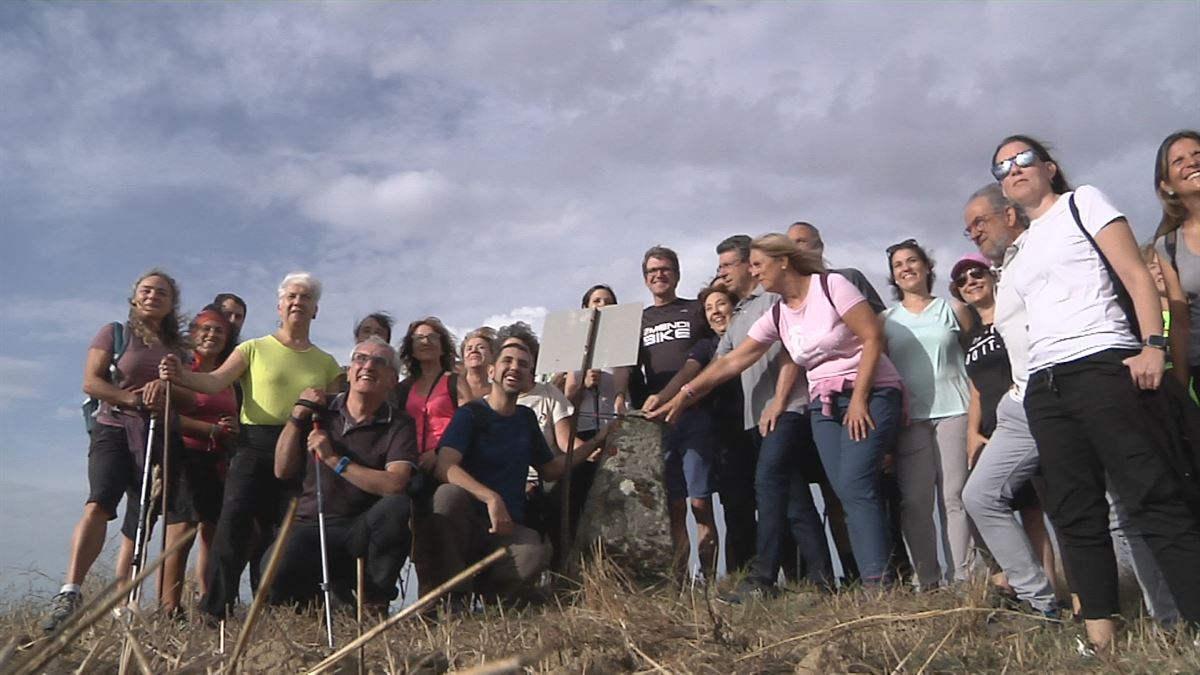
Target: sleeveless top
433, 414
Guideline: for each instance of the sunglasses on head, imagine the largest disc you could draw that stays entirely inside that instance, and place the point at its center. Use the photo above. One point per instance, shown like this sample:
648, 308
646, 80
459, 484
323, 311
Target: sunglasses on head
1023, 159
907, 243
976, 273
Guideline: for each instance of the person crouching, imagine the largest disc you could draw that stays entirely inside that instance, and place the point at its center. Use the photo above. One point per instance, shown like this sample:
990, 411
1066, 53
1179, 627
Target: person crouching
367, 452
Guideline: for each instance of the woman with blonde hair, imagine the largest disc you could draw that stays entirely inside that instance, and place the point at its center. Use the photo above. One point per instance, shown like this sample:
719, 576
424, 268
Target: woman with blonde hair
478, 347
828, 329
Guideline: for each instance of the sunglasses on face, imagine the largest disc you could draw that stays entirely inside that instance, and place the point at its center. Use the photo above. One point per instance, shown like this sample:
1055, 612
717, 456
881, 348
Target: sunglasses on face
1023, 159
976, 273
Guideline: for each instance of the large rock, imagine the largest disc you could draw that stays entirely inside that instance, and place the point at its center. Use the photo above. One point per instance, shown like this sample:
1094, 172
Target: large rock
626, 509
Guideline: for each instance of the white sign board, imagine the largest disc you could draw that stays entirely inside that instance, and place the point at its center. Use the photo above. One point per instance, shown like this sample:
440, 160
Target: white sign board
564, 338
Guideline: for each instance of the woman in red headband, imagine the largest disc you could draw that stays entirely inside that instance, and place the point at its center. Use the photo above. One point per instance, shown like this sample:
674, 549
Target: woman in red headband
209, 432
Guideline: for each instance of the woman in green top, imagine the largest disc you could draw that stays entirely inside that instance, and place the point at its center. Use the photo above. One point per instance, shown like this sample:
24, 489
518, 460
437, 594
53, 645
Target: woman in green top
273, 370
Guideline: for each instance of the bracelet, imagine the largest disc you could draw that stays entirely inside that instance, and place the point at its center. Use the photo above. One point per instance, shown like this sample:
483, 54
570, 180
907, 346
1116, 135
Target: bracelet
688, 391
305, 403
341, 465
299, 421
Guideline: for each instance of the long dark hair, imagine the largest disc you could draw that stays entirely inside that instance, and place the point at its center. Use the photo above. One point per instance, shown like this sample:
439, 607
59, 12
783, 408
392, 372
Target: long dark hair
909, 245
1173, 210
411, 365
1059, 182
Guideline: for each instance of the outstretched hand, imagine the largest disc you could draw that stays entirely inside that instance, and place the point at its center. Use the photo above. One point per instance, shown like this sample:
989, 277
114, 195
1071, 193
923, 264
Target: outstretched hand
668, 412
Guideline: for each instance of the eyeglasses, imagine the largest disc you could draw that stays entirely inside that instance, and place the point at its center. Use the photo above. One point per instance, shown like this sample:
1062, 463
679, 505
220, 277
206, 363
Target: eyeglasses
361, 359
907, 243
1023, 159
978, 223
651, 271
976, 273
424, 337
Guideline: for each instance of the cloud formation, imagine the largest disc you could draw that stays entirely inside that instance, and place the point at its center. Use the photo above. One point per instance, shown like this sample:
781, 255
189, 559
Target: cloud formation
489, 161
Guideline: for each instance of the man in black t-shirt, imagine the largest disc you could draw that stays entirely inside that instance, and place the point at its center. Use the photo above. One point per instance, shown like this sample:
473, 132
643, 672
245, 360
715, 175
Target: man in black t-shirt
670, 328
367, 452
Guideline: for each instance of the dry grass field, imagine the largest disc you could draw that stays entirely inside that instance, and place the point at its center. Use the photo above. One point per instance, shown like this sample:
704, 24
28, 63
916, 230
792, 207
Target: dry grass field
607, 624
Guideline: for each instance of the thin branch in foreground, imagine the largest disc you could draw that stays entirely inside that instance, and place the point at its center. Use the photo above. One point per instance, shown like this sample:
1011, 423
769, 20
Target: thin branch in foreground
36, 662
933, 613
420, 604
264, 587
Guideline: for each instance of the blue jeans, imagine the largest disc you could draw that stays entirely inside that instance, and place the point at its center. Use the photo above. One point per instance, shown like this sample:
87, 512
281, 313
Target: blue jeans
853, 468
785, 500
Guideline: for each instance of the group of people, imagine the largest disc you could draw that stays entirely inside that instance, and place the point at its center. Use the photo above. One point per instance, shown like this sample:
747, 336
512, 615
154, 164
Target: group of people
939, 430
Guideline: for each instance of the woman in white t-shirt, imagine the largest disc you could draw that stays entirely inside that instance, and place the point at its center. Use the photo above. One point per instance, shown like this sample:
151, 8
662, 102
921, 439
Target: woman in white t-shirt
1090, 378
925, 341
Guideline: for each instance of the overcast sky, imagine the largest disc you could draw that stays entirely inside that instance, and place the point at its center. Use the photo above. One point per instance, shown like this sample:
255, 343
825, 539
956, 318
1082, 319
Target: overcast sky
488, 161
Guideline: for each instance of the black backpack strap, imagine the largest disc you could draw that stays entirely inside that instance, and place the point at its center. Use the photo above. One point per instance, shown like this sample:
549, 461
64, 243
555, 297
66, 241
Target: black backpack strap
1170, 241
1122, 293
824, 276
452, 383
402, 391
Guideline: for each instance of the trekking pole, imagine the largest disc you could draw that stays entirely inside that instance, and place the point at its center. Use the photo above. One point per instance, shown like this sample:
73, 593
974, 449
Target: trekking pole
141, 535
166, 464
324, 551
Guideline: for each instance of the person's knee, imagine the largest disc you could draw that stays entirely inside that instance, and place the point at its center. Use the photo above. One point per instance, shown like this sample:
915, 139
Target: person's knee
701, 508
450, 499
93, 511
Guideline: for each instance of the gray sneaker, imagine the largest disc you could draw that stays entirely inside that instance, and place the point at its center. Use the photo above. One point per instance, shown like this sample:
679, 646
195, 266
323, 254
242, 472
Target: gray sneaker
61, 607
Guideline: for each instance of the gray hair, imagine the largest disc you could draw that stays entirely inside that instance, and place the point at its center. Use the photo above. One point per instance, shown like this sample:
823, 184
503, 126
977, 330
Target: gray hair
999, 202
301, 279
392, 359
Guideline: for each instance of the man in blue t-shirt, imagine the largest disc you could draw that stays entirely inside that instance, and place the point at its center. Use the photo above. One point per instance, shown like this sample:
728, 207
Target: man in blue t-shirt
483, 462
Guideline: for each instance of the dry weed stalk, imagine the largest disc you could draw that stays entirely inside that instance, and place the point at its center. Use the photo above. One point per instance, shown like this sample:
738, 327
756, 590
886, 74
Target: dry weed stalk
44, 653
264, 588
420, 604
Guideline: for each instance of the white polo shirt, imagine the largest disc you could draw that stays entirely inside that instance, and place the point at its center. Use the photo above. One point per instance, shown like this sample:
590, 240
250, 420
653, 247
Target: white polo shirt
1012, 323
1068, 294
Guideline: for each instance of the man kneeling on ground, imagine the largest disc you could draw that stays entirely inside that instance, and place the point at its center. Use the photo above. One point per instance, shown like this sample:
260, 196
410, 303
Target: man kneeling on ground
367, 452
483, 462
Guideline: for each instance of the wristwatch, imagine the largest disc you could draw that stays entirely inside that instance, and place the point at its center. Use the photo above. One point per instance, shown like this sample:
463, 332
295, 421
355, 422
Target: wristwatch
1156, 341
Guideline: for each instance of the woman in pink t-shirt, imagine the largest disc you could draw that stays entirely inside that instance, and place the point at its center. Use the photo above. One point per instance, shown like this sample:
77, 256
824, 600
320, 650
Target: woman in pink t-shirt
855, 390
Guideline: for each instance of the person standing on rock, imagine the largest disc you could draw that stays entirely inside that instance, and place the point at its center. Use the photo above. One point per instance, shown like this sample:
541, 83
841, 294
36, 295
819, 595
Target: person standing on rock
670, 328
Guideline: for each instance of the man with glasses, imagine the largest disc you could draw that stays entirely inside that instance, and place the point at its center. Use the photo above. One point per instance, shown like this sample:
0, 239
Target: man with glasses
781, 458
367, 452
670, 328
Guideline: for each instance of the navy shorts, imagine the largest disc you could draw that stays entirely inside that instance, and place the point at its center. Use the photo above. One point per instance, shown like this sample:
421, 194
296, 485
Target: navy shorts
688, 455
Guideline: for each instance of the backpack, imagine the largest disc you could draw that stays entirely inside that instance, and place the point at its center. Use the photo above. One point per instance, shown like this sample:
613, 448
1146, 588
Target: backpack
91, 405
775, 310
1170, 242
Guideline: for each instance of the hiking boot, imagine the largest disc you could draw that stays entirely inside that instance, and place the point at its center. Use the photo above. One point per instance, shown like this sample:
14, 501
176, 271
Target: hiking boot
62, 606
748, 591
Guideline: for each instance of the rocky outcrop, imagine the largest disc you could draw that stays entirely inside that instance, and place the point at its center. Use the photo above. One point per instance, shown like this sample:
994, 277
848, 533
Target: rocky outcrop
626, 509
